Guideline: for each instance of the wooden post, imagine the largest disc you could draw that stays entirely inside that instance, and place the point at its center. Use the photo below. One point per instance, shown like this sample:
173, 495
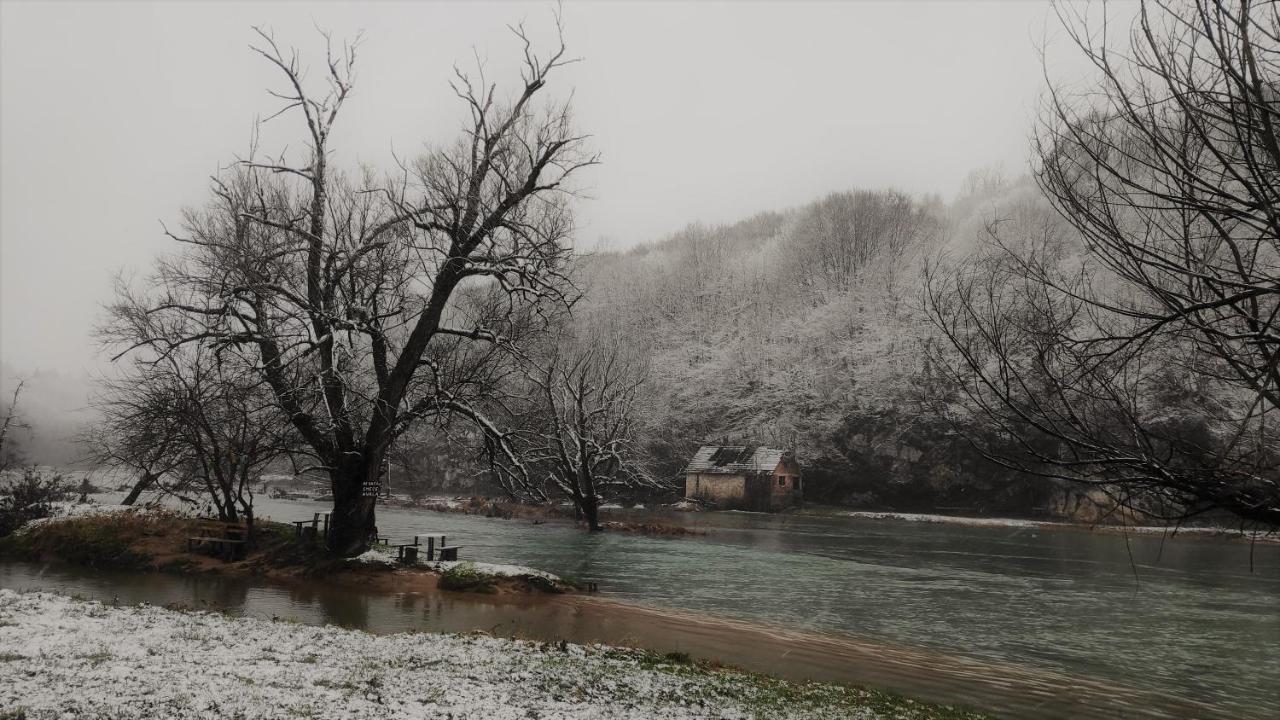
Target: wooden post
431, 547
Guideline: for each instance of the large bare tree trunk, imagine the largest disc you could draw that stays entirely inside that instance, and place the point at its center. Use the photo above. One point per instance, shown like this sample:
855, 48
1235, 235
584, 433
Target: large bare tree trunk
591, 511
353, 519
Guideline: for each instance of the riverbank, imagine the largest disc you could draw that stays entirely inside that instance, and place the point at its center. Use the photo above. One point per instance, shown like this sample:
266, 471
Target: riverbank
156, 540
127, 662
902, 606
1221, 533
646, 521
1017, 692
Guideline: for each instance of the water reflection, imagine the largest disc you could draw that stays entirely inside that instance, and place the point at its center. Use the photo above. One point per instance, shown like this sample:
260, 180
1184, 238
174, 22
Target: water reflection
1194, 618
1008, 690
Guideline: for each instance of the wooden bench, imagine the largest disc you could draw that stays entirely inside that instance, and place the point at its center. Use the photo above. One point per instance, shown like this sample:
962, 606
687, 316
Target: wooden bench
314, 522
407, 555
227, 539
226, 548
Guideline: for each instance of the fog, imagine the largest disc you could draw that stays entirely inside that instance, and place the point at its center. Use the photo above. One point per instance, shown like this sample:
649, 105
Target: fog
113, 115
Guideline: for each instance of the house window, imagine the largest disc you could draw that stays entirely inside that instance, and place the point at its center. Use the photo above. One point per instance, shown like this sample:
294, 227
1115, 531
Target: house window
782, 481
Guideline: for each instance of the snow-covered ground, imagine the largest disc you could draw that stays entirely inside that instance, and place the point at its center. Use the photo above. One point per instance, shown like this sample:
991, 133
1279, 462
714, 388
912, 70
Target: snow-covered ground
949, 519
65, 658
490, 569
1047, 524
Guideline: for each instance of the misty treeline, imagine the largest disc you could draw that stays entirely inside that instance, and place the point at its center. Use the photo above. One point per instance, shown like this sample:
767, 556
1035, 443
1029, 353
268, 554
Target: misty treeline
31, 493
804, 330
1098, 335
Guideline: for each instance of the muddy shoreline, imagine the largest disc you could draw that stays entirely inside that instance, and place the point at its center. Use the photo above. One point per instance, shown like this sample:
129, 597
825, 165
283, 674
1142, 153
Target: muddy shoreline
1004, 689
1012, 689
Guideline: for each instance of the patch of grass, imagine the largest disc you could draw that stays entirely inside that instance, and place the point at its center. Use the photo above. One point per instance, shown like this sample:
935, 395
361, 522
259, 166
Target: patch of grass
538, 582
465, 577
765, 697
432, 695
281, 547
97, 658
677, 658
349, 685
114, 541
93, 540
194, 634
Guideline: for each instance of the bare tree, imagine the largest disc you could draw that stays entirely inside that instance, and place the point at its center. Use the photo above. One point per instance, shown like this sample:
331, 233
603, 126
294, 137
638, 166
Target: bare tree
575, 421
10, 453
1170, 171
1147, 363
145, 449
194, 423
839, 236
340, 293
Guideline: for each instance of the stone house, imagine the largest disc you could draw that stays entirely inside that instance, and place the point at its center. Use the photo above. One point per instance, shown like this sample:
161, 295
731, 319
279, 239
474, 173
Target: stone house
743, 477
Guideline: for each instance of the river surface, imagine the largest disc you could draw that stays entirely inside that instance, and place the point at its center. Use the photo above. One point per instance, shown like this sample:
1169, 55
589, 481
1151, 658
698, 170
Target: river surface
1021, 621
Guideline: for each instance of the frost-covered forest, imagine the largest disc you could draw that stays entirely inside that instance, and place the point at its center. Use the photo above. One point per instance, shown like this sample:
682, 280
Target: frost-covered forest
805, 328
1098, 333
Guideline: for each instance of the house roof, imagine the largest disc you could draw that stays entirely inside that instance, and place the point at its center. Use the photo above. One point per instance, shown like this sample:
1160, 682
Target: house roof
734, 459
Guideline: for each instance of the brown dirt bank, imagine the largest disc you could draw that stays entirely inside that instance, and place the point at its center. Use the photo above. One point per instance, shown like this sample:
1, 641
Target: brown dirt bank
157, 541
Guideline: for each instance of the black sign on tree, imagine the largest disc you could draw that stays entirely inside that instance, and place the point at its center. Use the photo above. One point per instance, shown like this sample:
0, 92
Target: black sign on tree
373, 488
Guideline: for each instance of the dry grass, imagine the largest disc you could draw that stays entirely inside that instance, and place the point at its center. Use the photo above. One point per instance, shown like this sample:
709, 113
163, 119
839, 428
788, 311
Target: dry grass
157, 541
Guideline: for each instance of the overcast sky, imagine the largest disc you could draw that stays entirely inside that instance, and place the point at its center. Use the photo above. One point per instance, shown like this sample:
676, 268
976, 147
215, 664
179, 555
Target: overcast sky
113, 115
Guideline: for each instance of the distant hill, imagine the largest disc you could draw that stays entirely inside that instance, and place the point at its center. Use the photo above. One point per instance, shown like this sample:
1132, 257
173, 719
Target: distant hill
804, 329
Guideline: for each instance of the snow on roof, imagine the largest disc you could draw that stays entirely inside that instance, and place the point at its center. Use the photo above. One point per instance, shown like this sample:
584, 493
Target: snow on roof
734, 459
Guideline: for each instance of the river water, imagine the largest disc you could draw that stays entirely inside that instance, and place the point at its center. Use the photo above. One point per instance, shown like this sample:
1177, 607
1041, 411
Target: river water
1022, 621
